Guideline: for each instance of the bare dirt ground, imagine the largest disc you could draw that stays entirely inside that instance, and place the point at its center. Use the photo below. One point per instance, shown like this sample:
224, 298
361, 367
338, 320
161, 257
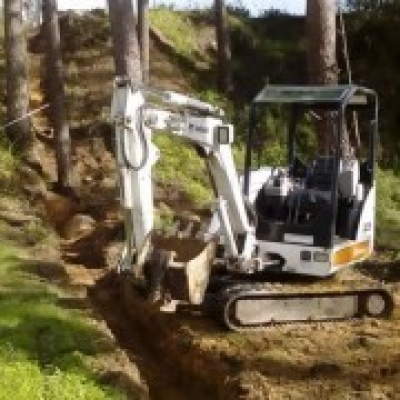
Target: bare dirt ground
191, 356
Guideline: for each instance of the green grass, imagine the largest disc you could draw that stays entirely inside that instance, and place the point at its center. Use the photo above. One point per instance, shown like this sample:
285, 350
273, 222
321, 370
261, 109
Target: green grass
45, 350
177, 28
8, 165
180, 166
388, 210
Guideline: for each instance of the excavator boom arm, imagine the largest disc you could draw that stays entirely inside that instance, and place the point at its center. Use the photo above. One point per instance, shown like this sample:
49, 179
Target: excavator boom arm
195, 121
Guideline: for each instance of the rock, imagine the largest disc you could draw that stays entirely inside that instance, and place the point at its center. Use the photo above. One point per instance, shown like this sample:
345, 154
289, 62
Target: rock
375, 323
33, 161
364, 341
32, 181
324, 368
16, 219
58, 209
88, 249
109, 183
97, 148
78, 226
112, 253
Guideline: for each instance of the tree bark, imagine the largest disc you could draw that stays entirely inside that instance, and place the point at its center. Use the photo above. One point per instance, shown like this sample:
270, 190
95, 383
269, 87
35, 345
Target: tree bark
19, 133
144, 38
56, 94
321, 34
223, 47
125, 41
321, 58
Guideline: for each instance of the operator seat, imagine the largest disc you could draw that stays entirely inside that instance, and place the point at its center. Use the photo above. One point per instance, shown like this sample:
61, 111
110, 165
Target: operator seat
350, 201
322, 173
298, 170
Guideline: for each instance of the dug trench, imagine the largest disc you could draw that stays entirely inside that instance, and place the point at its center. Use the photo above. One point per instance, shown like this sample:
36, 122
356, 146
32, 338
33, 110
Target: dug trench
90, 229
173, 367
161, 347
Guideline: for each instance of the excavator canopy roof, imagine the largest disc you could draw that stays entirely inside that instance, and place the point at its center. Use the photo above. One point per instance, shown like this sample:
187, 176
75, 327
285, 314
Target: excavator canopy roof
333, 95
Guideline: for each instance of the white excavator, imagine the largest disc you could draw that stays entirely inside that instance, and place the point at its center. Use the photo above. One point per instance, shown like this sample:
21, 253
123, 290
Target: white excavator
307, 218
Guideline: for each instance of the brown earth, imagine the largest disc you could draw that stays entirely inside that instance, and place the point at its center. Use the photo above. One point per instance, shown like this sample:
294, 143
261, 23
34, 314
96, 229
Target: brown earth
191, 356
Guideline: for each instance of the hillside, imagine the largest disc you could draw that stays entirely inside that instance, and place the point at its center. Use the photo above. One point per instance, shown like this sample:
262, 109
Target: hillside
183, 59
70, 326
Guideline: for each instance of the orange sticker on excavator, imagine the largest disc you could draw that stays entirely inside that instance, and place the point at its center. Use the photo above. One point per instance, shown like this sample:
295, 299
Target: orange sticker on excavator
352, 253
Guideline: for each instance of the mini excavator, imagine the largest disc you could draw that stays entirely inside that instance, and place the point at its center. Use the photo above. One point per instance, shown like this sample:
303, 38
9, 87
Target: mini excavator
312, 217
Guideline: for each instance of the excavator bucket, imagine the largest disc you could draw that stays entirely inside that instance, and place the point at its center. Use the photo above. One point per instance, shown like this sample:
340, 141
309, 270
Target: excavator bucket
181, 267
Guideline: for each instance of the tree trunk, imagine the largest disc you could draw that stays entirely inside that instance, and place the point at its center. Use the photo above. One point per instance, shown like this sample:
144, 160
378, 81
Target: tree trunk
321, 33
144, 39
56, 95
321, 55
18, 132
125, 40
223, 45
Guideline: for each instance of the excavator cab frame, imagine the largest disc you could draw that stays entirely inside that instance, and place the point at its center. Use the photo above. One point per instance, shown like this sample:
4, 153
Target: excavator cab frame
327, 206
339, 99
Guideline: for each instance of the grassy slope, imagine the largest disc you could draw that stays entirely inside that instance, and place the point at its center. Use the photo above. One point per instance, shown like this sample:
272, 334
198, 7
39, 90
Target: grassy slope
89, 103
46, 351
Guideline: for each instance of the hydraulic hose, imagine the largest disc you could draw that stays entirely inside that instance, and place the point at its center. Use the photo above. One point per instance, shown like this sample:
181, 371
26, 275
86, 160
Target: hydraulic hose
142, 139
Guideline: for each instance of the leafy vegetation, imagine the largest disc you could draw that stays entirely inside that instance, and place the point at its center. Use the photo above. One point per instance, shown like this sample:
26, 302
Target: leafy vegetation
373, 41
263, 54
388, 210
45, 350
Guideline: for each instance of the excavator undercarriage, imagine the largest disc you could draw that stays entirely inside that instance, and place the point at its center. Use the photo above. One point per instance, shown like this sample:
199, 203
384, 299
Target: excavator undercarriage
181, 273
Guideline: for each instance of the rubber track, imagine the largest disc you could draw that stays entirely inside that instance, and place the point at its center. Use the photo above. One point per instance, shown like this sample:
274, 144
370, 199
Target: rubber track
229, 297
